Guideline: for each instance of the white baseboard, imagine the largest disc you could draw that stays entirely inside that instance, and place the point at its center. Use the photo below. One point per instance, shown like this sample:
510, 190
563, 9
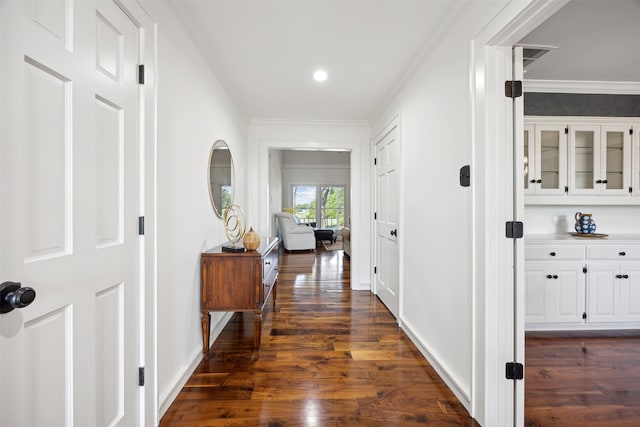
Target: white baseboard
361, 286
170, 395
454, 385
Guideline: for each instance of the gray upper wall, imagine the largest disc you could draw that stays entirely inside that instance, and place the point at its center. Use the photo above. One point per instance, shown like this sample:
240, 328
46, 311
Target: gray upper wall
575, 104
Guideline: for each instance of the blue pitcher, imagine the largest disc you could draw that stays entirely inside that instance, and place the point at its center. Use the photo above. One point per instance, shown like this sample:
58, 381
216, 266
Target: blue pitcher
584, 223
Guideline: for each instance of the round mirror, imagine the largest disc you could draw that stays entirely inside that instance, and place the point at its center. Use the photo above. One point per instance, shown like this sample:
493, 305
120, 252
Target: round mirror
220, 177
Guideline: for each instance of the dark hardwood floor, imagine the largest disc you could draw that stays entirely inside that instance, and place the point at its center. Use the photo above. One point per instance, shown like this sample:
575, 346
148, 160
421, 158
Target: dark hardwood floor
329, 357
582, 379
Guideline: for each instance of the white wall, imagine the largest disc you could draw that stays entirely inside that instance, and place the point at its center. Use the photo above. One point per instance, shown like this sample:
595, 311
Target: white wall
437, 288
560, 219
275, 188
194, 111
266, 135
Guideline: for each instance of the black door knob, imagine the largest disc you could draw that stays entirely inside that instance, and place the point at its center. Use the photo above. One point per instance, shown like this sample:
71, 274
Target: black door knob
394, 232
13, 295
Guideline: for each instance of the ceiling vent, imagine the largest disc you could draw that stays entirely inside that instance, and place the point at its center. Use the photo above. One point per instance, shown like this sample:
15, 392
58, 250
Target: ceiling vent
531, 53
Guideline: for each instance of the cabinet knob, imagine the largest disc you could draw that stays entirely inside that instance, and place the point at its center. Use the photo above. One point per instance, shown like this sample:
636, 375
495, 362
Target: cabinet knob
622, 253
599, 181
539, 181
618, 276
555, 276
625, 276
604, 181
533, 181
267, 262
549, 276
552, 253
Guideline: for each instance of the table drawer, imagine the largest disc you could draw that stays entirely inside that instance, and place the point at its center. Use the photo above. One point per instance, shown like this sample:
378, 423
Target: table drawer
554, 252
617, 252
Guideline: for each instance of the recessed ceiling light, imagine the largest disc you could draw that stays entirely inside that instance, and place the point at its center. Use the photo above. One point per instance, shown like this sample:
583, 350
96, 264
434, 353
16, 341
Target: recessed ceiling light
320, 76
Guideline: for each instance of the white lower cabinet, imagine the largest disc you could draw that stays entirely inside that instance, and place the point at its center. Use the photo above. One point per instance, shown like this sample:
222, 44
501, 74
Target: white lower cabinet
614, 292
555, 292
582, 286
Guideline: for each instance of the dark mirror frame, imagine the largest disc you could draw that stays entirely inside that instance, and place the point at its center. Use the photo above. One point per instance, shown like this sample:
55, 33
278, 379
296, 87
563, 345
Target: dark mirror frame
220, 177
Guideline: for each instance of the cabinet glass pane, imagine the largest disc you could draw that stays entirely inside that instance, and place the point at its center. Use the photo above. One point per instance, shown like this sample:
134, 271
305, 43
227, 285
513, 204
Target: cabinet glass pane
584, 159
526, 159
550, 159
615, 159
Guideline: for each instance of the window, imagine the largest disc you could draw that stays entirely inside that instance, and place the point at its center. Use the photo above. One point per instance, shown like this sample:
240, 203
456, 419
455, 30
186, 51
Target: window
307, 198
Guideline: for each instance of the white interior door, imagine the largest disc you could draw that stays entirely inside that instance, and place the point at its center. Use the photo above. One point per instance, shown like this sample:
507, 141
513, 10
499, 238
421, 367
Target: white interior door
387, 171
69, 206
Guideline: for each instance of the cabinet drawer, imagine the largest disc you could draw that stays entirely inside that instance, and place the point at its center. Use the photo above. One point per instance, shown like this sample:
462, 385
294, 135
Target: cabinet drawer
617, 252
554, 252
269, 265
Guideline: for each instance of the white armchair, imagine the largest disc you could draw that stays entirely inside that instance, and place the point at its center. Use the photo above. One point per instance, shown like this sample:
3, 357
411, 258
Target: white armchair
295, 236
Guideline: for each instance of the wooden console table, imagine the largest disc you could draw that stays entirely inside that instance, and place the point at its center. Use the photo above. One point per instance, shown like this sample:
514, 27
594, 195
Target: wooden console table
238, 281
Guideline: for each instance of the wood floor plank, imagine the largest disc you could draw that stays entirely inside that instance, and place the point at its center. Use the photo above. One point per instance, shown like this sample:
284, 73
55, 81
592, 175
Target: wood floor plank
329, 356
582, 379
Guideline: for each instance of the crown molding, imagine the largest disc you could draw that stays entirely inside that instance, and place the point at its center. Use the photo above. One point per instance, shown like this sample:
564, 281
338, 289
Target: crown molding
308, 122
582, 86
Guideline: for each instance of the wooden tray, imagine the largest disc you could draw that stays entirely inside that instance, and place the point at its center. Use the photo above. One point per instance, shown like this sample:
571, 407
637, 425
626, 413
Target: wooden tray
595, 235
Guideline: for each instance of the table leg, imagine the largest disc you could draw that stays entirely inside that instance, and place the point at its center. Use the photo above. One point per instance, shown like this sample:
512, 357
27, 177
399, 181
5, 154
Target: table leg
275, 293
205, 318
257, 329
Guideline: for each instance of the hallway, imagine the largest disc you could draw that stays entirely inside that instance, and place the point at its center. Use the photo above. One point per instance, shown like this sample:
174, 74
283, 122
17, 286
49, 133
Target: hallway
329, 357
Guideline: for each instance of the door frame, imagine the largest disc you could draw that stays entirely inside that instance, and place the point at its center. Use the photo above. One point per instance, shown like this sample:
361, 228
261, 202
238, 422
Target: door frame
147, 95
272, 134
496, 400
396, 121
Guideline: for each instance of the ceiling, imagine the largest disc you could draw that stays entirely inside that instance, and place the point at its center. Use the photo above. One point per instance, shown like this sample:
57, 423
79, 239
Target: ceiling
595, 40
265, 51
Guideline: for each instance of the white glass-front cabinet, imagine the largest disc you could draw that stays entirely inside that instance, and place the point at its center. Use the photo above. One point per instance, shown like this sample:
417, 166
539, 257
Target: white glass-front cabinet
599, 159
545, 164
580, 159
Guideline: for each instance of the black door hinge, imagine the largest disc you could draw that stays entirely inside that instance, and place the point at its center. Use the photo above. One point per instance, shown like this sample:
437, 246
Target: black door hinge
141, 74
513, 88
566, 130
141, 376
375, 160
141, 225
584, 315
375, 215
630, 131
566, 189
630, 190
584, 269
375, 270
514, 371
514, 229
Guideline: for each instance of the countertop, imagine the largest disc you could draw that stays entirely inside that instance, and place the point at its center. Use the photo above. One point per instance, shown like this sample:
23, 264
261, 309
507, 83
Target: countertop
567, 238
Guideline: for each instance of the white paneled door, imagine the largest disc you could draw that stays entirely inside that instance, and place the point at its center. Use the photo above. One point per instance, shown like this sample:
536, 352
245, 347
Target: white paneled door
387, 170
69, 204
